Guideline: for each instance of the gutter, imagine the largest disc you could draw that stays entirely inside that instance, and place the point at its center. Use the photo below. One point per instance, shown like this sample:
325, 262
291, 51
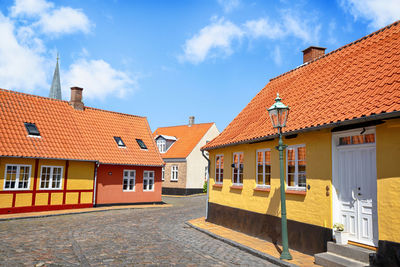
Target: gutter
208, 181
97, 164
382, 116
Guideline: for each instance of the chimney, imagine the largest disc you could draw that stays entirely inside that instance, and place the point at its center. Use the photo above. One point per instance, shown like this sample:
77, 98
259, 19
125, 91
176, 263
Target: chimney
76, 98
313, 52
191, 120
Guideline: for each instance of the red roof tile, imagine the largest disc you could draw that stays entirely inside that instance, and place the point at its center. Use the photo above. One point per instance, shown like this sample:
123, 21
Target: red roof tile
357, 80
67, 133
187, 138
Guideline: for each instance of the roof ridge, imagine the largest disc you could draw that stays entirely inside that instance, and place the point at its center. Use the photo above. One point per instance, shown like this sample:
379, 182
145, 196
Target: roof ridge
185, 125
115, 112
338, 49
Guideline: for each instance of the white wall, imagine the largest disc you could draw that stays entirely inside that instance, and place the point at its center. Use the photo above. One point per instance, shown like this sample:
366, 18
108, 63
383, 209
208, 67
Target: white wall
196, 163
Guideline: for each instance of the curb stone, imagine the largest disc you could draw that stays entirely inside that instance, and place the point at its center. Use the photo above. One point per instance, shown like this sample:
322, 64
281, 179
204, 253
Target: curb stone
252, 251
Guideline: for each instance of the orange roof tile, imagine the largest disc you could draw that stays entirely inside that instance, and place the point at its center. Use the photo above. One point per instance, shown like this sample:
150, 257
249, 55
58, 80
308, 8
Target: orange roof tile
67, 133
187, 138
358, 80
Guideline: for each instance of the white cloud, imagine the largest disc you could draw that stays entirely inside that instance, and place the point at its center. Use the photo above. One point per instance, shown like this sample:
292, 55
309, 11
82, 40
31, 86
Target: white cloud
379, 12
51, 20
212, 40
30, 7
304, 29
276, 56
64, 20
264, 28
98, 79
229, 5
20, 66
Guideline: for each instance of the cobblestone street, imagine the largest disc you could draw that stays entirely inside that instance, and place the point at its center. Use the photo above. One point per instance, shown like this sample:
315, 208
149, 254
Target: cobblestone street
154, 237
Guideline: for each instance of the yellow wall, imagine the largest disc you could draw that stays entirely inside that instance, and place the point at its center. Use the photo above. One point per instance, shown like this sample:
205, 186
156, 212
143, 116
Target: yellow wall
388, 173
318, 171
80, 177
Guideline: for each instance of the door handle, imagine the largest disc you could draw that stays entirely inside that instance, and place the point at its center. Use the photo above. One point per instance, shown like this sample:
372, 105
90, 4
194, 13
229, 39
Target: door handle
352, 195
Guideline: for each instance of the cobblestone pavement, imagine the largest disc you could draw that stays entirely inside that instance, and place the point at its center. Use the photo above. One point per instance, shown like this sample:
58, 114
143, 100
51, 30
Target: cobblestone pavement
130, 237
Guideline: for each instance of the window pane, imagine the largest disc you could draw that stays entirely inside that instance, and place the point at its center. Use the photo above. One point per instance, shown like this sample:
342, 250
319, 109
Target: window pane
260, 179
302, 180
131, 184
291, 180
268, 179
369, 138
301, 153
267, 168
267, 156
357, 139
125, 184
235, 159
241, 158
260, 169
221, 175
344, 141
291, 156
291, 169
260, 157
302, 167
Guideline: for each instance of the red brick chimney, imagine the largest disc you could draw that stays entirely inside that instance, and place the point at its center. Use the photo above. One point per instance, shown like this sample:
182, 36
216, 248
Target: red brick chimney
76, 98
313, 52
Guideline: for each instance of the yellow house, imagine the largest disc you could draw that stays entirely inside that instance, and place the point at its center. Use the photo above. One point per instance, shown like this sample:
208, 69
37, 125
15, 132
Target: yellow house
342, 155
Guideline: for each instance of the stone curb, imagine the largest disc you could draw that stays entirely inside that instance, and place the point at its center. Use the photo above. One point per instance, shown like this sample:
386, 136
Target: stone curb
194, 195
79, 212
247, 249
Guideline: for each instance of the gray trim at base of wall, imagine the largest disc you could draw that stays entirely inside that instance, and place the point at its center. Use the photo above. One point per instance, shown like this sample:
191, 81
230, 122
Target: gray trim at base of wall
303, 237
128, 204
388, 254
181, 191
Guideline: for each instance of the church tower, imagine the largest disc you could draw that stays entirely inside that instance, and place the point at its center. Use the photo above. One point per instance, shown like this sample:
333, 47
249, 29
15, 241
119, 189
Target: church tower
55, 89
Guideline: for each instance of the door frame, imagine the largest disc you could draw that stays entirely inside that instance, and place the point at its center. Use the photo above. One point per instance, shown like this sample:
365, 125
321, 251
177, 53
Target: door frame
336, 212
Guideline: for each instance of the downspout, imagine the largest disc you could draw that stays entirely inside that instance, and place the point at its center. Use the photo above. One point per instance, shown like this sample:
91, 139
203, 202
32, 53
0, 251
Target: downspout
208, 181
96, 165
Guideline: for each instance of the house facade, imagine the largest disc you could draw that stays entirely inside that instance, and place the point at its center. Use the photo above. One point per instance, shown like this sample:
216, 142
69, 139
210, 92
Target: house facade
341, 159
185, 167
58, 154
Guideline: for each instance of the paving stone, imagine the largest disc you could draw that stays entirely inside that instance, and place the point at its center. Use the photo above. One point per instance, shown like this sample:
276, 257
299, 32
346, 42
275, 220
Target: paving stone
129, 237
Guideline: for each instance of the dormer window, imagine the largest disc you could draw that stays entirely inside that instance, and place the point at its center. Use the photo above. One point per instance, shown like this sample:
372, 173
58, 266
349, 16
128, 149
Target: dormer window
141, 143
162, 145
119, 141
32, 129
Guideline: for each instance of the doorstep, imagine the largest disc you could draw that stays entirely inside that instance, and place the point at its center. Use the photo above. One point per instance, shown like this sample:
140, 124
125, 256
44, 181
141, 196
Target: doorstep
27, 215
253, 245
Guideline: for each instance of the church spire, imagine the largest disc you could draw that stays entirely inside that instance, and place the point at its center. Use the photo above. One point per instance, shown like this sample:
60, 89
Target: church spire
55, 89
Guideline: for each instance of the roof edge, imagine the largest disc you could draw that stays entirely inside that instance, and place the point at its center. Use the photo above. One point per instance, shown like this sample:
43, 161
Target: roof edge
29, 157
380, 116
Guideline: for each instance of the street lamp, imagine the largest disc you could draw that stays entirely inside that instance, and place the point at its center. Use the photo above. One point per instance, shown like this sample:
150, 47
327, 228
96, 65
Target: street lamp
278, 113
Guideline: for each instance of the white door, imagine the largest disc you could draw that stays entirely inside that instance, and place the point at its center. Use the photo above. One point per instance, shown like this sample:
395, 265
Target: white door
355, 185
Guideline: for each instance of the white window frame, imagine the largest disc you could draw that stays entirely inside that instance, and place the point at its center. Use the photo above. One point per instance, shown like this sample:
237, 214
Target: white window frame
148, 180
163, 173
17, 177
129, 178
263, 185
296, 166
174, 172
236, 181
218, 175
162, 145
51, 177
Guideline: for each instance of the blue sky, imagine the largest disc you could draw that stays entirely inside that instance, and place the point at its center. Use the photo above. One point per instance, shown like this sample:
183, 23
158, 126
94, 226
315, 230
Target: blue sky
168, 60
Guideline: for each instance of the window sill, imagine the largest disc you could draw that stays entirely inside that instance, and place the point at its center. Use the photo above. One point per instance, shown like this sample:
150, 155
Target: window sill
262, 189
296, 192
174, 181
239, 187
217, 185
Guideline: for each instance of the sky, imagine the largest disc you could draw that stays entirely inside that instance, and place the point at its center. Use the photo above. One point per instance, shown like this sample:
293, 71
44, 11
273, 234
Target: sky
168, 60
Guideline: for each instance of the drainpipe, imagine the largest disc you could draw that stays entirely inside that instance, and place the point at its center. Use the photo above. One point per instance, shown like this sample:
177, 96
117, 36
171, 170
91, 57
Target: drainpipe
97, 164
208, 181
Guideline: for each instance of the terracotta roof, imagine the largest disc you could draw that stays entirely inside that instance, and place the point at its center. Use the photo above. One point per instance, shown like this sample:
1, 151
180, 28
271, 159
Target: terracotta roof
187, 138
67, 133
357, 81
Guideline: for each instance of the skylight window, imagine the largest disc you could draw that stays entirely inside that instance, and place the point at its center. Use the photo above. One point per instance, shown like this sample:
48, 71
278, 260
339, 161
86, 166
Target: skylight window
119, 141
32, 129
141, 144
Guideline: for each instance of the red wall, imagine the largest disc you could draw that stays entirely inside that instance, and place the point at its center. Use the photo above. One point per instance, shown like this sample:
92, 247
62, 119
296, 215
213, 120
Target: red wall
110, 180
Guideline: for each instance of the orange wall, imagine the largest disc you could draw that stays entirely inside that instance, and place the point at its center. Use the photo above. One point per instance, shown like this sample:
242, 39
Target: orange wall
109, 187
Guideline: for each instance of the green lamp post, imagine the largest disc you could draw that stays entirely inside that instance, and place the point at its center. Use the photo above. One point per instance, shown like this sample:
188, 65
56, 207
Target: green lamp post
278, 113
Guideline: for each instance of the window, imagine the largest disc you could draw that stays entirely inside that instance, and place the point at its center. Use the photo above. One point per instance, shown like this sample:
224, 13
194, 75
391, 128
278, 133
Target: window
237, 177
174, 173
119, 141
219, 169
357, 139
296, 167
51, 177
129, 180
162, 145
141, 144
163, 173
263, 169
148, 180
17, 176
32, 129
